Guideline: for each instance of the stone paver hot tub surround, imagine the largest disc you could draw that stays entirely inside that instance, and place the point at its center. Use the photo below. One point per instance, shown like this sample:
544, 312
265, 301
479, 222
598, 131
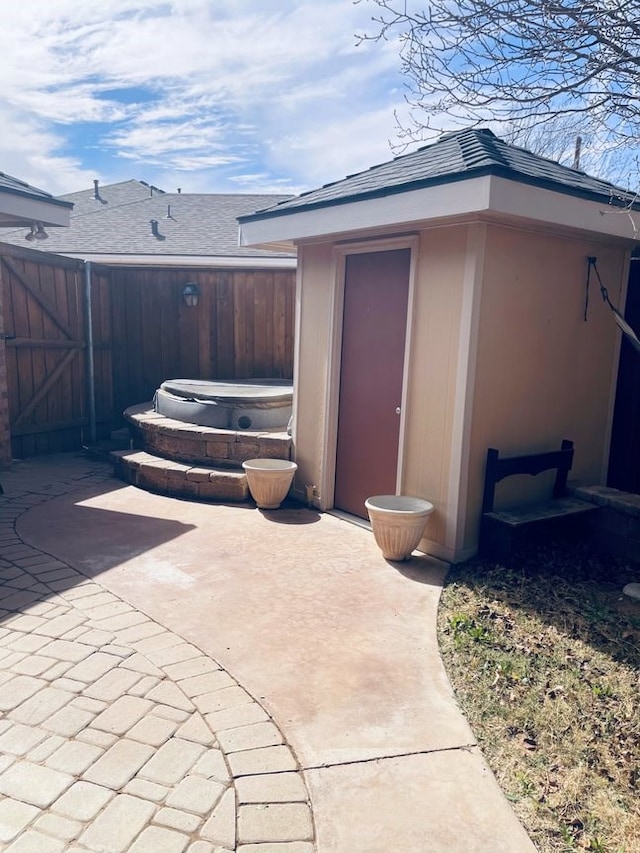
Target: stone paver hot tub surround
118, 735
190, 460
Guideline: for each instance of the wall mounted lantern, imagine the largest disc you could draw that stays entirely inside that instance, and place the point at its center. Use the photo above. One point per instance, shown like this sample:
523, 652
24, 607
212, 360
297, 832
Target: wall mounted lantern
190, 294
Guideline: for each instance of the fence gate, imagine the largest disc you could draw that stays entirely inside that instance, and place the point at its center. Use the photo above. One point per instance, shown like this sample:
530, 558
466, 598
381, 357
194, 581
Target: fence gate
44, 329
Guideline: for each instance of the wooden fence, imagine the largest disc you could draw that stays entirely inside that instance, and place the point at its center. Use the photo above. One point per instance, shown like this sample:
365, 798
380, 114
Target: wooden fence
45, 349
143, 333
241, 328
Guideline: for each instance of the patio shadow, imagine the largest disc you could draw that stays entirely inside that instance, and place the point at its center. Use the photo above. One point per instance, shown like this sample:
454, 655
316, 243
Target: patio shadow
422, 569
292, 513
94, 539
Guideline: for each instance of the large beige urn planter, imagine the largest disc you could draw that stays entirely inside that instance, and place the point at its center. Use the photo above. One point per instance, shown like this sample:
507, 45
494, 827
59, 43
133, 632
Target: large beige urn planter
269, 480
398, 523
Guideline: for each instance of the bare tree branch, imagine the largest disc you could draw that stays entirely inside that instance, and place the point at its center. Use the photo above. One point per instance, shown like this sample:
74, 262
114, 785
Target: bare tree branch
472, 61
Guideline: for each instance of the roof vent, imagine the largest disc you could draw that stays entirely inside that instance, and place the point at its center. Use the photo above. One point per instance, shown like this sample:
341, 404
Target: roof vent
168, 214
154, 229
96, 191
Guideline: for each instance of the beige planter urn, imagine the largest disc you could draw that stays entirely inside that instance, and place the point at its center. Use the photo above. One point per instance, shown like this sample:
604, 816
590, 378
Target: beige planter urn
269, 480
398, 523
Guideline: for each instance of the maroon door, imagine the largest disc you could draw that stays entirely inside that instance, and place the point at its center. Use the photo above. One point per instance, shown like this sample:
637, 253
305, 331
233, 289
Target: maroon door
373, 342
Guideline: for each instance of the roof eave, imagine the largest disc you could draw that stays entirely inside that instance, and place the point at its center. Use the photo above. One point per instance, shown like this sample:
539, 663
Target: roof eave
18, 209
490, 193
442, 180
208, 261
453, 198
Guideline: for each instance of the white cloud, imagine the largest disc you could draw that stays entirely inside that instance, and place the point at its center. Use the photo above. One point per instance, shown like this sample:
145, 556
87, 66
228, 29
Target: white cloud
344, 146
246, 93
27, 151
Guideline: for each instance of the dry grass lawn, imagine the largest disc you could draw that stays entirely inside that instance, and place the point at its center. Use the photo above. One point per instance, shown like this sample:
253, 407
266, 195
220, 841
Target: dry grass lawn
544, 658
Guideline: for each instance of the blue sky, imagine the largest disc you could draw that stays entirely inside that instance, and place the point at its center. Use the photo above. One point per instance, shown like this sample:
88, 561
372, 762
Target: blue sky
206, 95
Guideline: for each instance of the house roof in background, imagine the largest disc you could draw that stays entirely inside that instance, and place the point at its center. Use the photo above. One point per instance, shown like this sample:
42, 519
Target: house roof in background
454, 157
110, 196
114, 223
21, 204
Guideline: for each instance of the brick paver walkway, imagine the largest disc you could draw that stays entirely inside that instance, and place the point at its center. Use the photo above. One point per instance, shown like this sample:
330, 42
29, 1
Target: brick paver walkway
115, 733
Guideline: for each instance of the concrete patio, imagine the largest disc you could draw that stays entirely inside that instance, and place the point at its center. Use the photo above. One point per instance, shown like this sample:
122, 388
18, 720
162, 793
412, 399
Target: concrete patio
181, 676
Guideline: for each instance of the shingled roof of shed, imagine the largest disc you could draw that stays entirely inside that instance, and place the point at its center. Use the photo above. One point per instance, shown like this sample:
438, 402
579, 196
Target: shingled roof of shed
455, 156
17, 187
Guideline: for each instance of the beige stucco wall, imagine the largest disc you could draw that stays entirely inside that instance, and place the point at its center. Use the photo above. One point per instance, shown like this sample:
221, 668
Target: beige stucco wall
435, 306
542, 372
314, 309
499, 355
433, 366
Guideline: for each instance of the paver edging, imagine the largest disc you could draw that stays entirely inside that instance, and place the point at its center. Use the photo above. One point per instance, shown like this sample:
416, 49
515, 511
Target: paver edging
257, 743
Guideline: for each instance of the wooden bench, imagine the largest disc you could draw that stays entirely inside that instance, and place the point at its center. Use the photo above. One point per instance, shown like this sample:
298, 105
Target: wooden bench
504, 532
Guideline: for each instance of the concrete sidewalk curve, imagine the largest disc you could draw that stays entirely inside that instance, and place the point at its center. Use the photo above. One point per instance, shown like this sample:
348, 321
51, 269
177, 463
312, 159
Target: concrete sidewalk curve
220, 678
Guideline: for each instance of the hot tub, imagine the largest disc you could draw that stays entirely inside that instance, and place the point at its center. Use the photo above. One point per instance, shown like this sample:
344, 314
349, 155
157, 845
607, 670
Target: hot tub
251, 404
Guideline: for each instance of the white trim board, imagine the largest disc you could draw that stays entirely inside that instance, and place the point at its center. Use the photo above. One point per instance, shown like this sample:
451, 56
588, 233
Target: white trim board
490, 195
209, 261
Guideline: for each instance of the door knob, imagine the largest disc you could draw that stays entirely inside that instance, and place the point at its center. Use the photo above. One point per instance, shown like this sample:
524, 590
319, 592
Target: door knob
398, 410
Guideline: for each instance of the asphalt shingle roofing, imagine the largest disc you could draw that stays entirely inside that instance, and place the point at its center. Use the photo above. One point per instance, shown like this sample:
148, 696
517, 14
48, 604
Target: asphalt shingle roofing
454, 157
110, 196
118, 222
18, 187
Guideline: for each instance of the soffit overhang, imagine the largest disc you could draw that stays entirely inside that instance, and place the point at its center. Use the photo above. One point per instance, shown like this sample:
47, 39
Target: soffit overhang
489, 196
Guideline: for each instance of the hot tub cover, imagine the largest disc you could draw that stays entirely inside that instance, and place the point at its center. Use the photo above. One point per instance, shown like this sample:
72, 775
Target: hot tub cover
239, 392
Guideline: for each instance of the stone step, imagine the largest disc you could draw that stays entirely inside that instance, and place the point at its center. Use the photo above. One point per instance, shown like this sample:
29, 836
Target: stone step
178, 479
201, 445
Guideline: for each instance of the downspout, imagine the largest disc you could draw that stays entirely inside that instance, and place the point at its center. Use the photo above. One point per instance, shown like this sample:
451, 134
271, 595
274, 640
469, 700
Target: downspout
91, 382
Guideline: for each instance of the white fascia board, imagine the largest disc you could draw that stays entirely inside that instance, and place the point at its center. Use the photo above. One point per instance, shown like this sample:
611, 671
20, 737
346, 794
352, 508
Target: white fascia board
511, 198
184, 261
452, 199
491, 195
17, 210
